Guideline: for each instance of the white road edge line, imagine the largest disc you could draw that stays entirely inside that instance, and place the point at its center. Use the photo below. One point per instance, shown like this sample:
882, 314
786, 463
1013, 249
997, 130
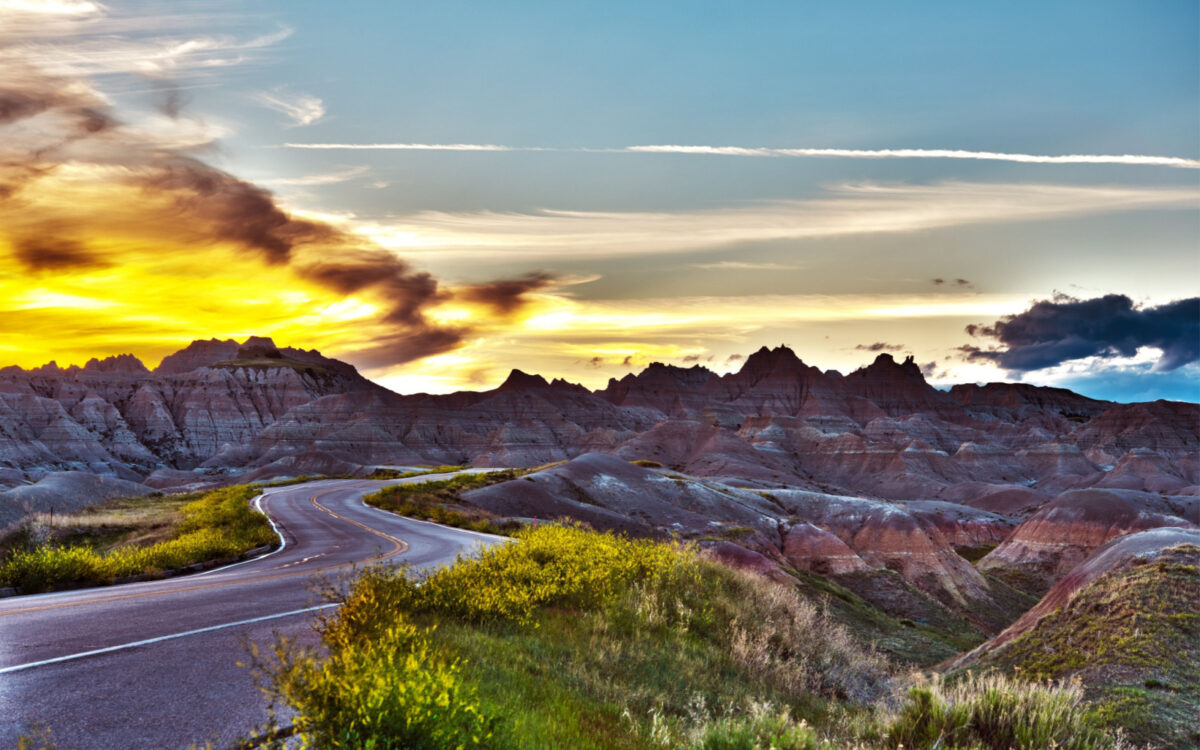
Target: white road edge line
161, 638
283, 543
278, 533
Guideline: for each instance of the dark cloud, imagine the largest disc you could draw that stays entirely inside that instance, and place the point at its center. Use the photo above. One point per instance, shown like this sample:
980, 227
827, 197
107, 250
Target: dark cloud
19, 105
507, 296
733, 358
1064, 328
628, 361
172, 101
962, 282
692, 358
880, 346
191, 204
595, 361
227, 208
939, 281
53, 254
928, 369
405, 291
411, 343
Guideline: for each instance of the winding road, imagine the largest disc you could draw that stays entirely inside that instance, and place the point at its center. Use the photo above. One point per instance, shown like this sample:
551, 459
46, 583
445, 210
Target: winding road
155, 664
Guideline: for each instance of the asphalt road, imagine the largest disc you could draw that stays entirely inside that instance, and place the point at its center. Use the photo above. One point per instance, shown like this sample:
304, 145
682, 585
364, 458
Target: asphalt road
123, 666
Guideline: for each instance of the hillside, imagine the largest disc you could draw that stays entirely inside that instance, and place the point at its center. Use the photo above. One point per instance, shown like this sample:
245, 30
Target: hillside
1124, 624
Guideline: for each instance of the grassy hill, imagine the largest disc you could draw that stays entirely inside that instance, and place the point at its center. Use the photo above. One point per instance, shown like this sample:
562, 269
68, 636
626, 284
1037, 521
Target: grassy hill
572, 638
1132, 640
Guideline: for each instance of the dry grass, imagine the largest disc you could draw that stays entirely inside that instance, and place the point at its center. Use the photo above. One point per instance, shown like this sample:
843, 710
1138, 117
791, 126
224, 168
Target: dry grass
785, 640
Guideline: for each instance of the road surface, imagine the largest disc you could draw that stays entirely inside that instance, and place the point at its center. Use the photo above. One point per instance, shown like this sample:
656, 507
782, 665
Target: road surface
155, 664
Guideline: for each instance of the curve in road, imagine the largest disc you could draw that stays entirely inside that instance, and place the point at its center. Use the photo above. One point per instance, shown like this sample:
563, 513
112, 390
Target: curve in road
156, 664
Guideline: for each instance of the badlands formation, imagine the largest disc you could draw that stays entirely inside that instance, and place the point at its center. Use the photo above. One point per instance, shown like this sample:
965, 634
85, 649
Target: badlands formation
967, 504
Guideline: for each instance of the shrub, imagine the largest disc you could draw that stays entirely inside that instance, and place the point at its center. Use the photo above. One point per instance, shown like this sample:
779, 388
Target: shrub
563, 566
389, 691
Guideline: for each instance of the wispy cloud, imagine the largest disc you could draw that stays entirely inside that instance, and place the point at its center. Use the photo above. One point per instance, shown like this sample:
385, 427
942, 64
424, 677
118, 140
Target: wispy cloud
737, 265
845, 153
414, 147
52, 7
923, 153
79, 38
848, 210
327, 178
302, 109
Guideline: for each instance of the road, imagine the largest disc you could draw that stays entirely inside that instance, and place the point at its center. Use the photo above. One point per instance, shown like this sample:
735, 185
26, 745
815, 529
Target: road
124, 666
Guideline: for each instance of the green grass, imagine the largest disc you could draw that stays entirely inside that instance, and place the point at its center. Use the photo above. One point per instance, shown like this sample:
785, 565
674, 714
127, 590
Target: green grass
573, 638
438, 500
196, 529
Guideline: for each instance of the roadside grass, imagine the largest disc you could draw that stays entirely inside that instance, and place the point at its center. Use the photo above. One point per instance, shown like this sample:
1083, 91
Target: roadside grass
382, 473
134, 537
438, 500
574, 638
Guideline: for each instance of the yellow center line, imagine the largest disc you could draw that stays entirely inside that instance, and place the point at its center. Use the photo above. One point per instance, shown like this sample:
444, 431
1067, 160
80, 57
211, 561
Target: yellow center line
399, 546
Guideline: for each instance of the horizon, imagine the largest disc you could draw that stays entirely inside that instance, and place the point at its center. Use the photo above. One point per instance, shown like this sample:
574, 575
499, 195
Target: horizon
438, 195
731, 367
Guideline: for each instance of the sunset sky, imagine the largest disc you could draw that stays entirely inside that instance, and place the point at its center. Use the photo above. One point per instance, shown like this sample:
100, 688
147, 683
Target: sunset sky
440, 192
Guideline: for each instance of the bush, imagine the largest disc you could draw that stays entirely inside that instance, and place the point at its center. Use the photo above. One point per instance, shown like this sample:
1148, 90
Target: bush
563, 566
389, 691
992, 711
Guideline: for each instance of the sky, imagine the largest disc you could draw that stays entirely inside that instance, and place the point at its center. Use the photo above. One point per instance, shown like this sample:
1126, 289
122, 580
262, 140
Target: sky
441, 192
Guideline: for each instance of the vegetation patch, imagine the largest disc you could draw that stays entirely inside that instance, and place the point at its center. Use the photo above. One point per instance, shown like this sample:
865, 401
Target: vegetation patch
382, 473
992, 711
974, 554
573, 638
439, 501
132, 537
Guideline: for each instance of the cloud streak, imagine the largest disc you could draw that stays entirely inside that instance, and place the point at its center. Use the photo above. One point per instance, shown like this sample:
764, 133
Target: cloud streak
301, 109
848, 210
923, 153
416, 147
826, 153
739, 265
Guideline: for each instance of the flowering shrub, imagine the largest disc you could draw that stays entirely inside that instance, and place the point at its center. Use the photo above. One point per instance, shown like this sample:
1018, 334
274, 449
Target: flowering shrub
389, 691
